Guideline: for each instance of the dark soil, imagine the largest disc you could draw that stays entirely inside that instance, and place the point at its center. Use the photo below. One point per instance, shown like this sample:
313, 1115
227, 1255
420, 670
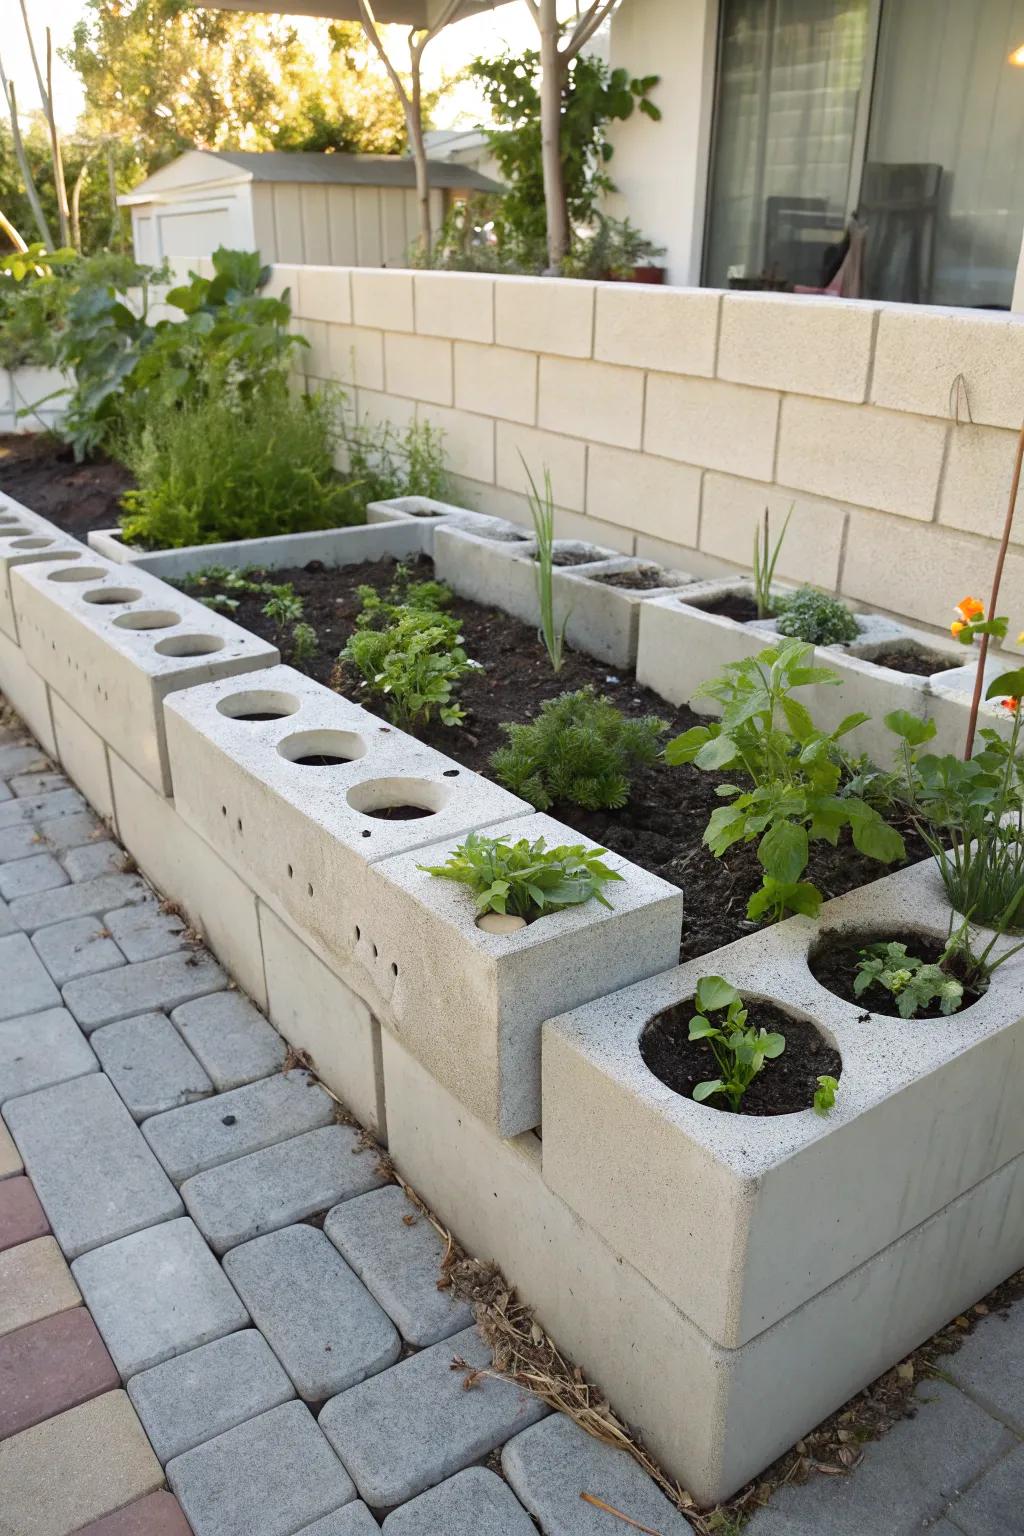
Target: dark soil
734, 605
646, 579
41, 472
833, 964
661, 827
911, 662
784, 1086
575, 556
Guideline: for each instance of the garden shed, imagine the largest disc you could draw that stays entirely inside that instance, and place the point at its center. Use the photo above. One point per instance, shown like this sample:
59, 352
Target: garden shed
318, 209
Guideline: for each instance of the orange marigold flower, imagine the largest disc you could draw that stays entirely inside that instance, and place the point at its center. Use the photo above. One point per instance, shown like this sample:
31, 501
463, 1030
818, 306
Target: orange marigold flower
956, 627
971, 608
1011, 704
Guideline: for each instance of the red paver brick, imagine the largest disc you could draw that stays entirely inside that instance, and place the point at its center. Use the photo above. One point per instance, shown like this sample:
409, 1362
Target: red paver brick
21, 1216
158, 1514
49, 1366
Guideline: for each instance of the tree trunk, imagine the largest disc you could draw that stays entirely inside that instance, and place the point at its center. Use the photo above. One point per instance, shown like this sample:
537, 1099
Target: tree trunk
63, 212
552, 70
7, 228
414, 118
23, 166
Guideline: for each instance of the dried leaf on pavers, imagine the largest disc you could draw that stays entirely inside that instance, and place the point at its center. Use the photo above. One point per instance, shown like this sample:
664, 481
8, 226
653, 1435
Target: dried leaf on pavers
588, 1498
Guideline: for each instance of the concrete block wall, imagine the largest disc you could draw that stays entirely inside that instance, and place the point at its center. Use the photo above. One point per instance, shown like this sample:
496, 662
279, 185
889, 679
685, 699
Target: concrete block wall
671, 417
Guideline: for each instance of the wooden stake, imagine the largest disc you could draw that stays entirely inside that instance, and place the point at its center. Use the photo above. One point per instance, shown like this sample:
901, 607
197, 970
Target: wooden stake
990, 612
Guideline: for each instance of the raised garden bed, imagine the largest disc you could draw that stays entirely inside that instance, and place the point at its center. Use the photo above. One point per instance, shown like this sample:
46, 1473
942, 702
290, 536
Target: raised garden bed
40, 471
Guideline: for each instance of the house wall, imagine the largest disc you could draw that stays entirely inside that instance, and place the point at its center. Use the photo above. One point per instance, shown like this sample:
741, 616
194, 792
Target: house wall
670, 418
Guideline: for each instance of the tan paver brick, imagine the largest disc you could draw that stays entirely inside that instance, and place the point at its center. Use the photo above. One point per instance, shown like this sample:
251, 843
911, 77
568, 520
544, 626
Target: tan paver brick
59, 1475
35, 1282
10, 1157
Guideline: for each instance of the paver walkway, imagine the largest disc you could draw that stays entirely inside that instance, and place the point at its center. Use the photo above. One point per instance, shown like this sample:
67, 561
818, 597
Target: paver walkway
206, 1283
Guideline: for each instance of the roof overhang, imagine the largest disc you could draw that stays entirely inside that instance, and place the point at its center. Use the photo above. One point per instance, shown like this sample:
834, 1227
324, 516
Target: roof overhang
410, 13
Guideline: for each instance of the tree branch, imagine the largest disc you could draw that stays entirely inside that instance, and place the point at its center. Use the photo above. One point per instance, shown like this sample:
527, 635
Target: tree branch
55, 154
32, 52
22, 158
369, 23
12, 234
587, 26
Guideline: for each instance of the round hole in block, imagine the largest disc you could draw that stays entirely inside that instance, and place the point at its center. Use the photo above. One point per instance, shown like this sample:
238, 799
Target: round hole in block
451, 773
104, 596
394, 969
309, 890
258, 704
189, 645
375, 950
78, 573
398, 799
12, 530
291, 873
148, 618
322, 749
36, 543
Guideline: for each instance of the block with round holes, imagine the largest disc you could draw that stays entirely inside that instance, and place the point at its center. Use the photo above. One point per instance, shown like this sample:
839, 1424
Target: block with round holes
112, 643
300, 791
24, 539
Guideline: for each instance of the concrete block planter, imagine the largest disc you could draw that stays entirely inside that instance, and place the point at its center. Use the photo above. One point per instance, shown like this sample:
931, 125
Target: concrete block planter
604, 611
25, 539
113, 649
470, 1004
429, 515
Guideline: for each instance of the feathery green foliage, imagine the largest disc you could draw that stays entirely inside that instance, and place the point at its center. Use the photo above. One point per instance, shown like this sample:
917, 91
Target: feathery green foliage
816, 618
580, 750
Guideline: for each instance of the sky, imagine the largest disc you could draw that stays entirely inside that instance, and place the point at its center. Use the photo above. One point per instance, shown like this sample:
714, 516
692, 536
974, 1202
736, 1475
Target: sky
508, 24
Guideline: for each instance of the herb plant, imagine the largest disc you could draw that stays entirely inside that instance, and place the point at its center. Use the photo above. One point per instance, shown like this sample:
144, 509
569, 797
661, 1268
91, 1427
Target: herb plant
380, 609
912, 982
766, 557
387, 463
795, 773
283, 607
580, 750
526, 879
817, 617
304, 643
542, 511
412, 666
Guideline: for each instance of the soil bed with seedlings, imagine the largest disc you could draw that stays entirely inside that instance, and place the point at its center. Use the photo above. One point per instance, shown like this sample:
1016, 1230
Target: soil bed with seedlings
833, 964
40, 471
788, 1085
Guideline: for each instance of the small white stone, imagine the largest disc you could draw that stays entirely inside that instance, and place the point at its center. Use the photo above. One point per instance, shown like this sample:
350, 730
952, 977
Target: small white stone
500, 922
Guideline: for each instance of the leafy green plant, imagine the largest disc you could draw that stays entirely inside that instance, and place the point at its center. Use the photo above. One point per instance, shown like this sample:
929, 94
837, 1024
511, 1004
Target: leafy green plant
386, 463
795, 770
211, 472
304, 643
413, 666
816, 617
580, 750
613, 249
542, 511
283, 607
739, 1052
766, 558
911, 981
825, 1094
526, 879
378, 609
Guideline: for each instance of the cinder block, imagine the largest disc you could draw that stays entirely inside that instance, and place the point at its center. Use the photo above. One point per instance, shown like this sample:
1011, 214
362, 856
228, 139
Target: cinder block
333, 546
83, 756
186, 870
498, 381
544, 314
469, 1004
564, 457
920, 350
881, 459
639, 491
597, 401
356, 355
604, 618
713, 424
458, 305
976, 482
27, 692
419, 367
382, 298
504, 574
798, 343
26, 539
323, 294
113, 647
732, 510
673, 330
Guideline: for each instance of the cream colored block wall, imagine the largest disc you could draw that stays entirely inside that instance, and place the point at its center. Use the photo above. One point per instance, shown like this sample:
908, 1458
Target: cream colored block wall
670, 418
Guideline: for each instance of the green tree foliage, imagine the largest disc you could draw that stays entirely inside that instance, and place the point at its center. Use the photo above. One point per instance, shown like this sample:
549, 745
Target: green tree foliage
594, 96
103, 224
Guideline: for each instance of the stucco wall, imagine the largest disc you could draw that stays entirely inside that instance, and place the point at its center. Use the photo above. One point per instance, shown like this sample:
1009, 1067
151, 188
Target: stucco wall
670, 418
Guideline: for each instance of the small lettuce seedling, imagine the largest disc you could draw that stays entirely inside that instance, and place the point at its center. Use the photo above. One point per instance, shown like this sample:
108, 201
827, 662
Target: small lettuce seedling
913, 982
526, 879
740, 1052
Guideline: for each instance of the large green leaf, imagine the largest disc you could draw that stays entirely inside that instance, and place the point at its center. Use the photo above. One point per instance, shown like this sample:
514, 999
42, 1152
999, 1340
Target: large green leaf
715, 992
1009, 685
910, 728
783, 852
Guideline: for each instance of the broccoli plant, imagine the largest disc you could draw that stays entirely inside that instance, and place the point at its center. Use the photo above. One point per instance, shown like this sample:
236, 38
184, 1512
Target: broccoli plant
913, 982
526, 879
816, 618
413, 666
580, 750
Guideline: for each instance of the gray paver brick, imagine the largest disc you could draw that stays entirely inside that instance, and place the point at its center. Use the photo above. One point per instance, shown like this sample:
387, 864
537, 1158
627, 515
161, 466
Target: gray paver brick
89, 898
26, 985
232, 1039
322, 1324
266, 1190
77, 947
21, 842
150, 1065
5, 793
76, 830
905, 1479
25, 877
156, 1294
468, 1504
397, 1254
552, 1463
411, 1427
21, 757
66, 802
196, 1396
272, 1475
354, 1520
990, 1366
39, 1049
27, 785
202, 1135
94, 859
7, 924
153, 984
93, 1172
995, 1504
146, 933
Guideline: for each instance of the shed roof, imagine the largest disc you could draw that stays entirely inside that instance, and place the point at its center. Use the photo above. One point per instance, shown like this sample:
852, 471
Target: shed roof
198, 167
412, 13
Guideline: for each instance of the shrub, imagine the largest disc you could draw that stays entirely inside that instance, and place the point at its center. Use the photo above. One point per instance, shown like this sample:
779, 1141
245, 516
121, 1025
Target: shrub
579, 750
386, 463
412, 666
209, 472
816, 618
526, 879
